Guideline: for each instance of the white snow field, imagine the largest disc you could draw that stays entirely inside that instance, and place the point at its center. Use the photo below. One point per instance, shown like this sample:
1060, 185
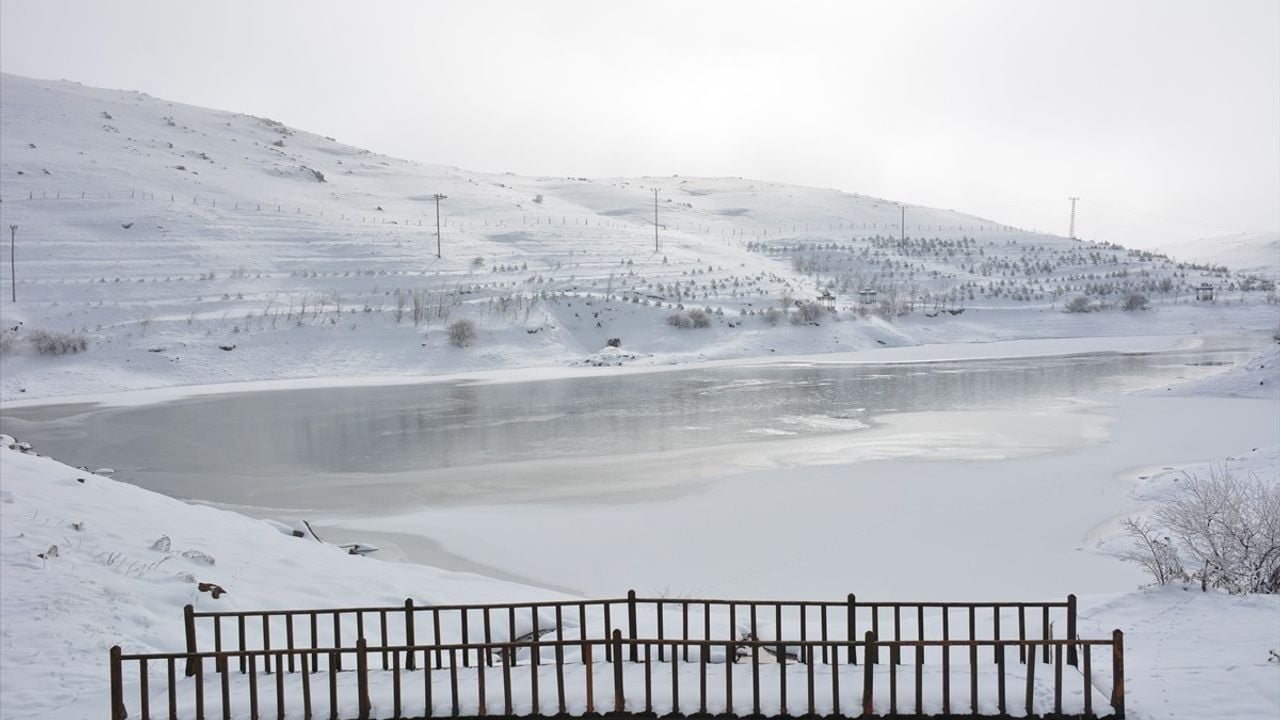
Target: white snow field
1257, 253
199, 252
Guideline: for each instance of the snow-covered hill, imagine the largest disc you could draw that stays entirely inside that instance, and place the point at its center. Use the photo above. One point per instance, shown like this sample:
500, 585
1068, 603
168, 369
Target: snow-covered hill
1257, 253
185, 245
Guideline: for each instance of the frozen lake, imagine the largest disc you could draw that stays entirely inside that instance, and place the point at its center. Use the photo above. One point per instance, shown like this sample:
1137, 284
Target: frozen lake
511, 478
274, 448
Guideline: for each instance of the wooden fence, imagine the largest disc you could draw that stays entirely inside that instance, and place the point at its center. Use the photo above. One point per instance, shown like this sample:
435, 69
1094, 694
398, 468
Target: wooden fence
660, 618
566, 659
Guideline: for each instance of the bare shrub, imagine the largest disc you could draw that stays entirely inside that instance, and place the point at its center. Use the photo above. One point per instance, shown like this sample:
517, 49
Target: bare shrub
401, 302
1134, 301
1155, 552
699, 318
1226, 528
52, 342
1078, 304
419, 306
806, 313
462, 332
9, 340
771, 316
679, 320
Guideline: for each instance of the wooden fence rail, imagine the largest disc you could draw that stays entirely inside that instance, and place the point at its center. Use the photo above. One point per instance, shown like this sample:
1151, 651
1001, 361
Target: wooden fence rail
732, 677
661, 618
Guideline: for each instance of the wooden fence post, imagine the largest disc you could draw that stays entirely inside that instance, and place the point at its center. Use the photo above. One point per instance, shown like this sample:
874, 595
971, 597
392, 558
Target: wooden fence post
118, 711
852, 629
408, 633
189, 623
588, 653
868, 706
1117, 673
362, 678
1071, 630
619, 703
631, 622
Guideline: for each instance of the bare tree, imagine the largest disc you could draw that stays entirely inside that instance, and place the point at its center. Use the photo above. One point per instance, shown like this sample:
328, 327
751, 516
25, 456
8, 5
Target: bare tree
1154, 552
1226, 528
401, 302
461, 332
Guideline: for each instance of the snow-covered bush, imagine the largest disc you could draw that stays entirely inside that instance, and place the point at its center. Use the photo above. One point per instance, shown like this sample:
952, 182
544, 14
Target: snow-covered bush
461, 332
699, 318
679, 320
52, 342
1220, 531
1134, 301
1155, 552
9, 341
806, 313
1079, 304
772, 316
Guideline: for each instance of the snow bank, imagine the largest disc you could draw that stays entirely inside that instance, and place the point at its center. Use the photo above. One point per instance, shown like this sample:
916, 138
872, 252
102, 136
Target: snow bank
1259, 377
120, 562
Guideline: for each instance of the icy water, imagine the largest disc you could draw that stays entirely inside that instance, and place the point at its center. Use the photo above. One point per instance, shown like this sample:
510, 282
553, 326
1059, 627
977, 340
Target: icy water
376, 448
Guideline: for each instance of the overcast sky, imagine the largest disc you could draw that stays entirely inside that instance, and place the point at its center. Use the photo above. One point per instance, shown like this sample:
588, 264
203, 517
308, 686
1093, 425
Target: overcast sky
1164, 117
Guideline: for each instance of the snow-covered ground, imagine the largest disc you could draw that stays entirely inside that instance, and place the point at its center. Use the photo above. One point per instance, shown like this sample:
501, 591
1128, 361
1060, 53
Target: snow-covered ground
1258, 253
196, 250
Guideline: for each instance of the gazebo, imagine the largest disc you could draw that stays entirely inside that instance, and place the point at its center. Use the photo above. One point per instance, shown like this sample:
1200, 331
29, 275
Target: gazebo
827, 300
866, 296
1204, 292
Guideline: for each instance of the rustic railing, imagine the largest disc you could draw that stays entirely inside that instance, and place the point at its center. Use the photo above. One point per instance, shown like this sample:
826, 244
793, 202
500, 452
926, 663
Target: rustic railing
350, 662
734, 678
660, 618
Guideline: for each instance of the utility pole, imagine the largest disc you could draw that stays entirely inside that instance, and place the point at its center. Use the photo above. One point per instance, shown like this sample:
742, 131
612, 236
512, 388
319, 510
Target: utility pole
1071, 232
13, 268
655, 220
903, 208
438, 198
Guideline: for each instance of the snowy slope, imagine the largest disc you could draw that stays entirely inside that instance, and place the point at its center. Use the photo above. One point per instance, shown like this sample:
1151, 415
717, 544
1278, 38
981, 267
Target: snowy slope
108, 585
163, 233
1257, 253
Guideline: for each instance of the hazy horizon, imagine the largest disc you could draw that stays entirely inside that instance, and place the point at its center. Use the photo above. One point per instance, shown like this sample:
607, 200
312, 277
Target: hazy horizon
1164, 118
